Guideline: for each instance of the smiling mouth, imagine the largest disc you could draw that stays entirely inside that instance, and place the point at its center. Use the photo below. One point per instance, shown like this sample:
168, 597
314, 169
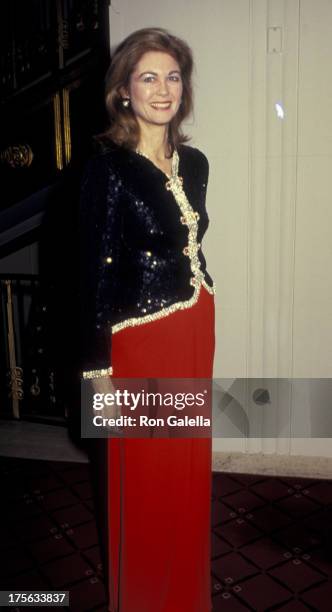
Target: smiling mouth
161, 105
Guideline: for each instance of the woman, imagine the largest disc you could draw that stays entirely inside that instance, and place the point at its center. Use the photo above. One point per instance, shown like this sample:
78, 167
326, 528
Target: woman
148, 311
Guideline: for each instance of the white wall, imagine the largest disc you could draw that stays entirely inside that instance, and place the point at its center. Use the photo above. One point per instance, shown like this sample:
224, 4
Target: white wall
313, 241
269, 246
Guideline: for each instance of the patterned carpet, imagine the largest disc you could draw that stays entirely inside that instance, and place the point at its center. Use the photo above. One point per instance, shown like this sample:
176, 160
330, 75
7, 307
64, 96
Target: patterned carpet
271, 538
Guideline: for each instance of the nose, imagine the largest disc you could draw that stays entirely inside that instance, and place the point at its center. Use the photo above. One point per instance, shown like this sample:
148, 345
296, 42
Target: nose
163, 87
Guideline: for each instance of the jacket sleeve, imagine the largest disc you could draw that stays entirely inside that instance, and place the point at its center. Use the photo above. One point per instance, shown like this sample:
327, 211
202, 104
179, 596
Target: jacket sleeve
203, 173
205, 178
100, 240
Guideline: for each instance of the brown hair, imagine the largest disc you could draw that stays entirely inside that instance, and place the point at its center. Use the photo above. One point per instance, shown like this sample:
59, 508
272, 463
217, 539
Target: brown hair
124, 128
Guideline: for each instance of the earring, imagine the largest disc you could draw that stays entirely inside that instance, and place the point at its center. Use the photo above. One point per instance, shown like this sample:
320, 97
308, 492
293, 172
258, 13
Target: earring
126, 102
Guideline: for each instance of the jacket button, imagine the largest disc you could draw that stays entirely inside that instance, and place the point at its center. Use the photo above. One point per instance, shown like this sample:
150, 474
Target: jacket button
185, 251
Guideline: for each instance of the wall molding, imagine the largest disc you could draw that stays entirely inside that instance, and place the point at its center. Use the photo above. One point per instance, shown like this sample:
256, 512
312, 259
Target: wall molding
272, 464
272, 155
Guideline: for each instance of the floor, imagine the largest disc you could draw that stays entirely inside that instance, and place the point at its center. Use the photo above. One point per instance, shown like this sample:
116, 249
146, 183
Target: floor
271, 538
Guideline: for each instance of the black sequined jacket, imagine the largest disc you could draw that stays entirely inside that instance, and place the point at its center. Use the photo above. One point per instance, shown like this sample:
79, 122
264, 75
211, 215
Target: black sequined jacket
140, 235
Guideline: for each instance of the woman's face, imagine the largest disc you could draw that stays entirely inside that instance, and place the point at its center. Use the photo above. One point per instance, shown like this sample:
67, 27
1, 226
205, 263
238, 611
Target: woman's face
155, 88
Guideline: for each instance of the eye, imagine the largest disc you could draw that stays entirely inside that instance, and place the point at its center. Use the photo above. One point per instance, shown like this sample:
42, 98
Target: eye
174, 77
149, 78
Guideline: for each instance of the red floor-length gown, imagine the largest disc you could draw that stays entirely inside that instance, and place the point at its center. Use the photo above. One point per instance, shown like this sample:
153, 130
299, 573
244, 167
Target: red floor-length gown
157, 510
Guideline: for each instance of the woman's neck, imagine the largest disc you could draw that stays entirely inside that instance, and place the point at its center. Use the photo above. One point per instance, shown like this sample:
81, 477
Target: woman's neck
154, 143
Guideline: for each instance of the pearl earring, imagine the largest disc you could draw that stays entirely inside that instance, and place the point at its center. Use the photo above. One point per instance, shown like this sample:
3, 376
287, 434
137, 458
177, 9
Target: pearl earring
126, 102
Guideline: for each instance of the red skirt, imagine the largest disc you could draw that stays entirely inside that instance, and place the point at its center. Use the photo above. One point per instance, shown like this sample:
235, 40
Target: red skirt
159, 490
